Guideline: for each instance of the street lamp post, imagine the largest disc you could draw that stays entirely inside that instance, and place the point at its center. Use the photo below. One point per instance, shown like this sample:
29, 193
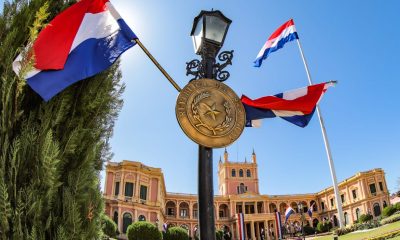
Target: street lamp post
208, 34
302, 219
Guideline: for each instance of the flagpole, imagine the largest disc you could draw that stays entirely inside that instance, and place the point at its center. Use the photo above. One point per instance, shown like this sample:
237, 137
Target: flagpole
327, 147
157, 65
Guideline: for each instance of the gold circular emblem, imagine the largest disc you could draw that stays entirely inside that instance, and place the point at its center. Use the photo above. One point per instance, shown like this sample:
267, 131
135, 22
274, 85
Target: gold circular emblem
210, 113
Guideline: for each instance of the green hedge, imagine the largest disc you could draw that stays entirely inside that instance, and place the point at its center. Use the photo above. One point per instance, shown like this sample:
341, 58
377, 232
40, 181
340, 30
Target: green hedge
393, 218
176, 233
324, 227
143, 231
388, 211
355, 227
365, 218
108, 226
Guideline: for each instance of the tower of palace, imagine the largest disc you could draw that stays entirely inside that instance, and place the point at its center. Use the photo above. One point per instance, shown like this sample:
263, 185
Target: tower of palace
135, 192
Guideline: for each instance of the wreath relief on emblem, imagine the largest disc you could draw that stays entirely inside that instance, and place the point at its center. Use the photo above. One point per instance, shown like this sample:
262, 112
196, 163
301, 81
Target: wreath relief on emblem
209, 114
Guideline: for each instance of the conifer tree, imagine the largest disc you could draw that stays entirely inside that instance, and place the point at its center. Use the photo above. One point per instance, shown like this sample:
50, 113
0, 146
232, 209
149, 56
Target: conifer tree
51, 153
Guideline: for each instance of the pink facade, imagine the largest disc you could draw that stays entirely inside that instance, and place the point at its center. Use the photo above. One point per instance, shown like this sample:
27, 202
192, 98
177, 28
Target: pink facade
135, 192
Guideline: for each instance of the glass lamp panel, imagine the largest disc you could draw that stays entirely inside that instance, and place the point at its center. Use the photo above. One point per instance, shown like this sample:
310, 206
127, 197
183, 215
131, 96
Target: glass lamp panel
197, 36
215, 28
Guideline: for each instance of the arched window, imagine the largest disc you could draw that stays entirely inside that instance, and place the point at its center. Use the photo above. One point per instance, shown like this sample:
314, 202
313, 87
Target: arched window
377, 210
357, 213
233, 173
115, 217
241, 173
126, 221
384, 204
248, 173
142, 218
242, 188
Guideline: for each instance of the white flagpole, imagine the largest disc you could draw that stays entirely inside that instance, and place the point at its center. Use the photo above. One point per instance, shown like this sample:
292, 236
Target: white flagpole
327, 148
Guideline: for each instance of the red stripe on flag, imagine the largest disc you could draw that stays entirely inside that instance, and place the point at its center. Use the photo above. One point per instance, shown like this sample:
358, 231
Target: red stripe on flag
281, 29
240, 227
304, 104
54, 42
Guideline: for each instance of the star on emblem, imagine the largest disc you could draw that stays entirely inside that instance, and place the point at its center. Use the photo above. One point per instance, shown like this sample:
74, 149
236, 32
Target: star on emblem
211, 111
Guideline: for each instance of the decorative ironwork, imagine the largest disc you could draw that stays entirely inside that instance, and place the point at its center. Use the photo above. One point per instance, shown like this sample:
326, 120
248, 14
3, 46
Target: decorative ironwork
197, 67
226, 57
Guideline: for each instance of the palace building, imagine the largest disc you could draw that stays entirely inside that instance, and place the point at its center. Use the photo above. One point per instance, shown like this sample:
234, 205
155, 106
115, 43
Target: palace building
135, 192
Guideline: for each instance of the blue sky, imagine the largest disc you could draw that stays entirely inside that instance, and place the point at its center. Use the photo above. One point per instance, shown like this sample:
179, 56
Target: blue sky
354, 43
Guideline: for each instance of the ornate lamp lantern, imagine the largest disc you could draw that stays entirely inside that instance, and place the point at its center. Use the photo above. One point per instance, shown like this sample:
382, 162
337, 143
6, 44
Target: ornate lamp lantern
209, 30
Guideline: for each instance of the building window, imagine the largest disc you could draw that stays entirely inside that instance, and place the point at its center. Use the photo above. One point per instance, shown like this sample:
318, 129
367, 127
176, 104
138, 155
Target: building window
248, 173
195, 214
128, 189
322, 206
346, 218
171, 212
142, 218
241, 173
381, 186
354, 192
183, 213
143, 192
372, 189
116, 189
233, 173
332, 202
343, 198
384, 204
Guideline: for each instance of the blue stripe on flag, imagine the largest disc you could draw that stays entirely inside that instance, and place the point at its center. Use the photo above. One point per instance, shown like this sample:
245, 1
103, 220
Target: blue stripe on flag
281, 43
89, 58
300, 120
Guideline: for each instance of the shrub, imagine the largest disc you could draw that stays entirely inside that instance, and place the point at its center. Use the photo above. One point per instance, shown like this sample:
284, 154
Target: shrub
219, 234
388, 211
365, 218
308, 230
143, 231
324, 226
108, 226
176, 233
397, 206
393, 218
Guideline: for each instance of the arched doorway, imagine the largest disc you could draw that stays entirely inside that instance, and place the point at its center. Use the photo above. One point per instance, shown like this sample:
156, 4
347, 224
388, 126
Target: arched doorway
377, 210
141, 218
272, 207
115, 217
282, 208
295, 207
314, 205
357, 213
126, 221
335, 221
315, 222
346, 218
